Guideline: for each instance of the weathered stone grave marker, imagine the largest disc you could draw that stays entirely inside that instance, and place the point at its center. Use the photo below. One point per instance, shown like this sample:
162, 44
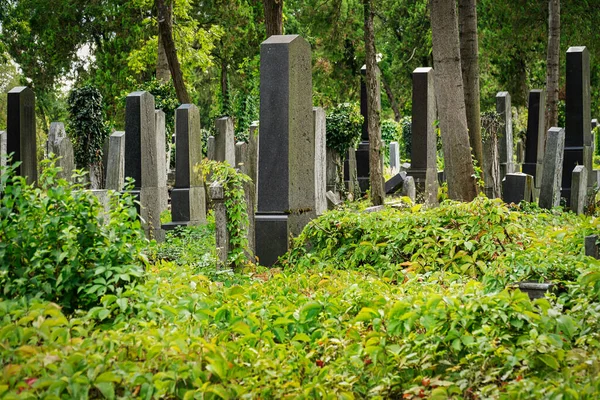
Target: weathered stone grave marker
115, 165
552, 171
225, 141
579, 178
60, 145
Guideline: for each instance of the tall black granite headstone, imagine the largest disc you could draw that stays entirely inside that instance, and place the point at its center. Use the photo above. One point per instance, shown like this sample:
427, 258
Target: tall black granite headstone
578, 137
20, 130
536, 137
286, 162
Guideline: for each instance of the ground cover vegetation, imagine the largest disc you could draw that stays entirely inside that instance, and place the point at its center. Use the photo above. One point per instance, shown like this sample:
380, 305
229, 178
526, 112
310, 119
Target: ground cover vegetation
405, 303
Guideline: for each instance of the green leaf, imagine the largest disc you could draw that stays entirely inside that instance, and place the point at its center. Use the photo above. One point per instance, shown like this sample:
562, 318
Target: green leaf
549, 361
301, 337
107, 389
567, 326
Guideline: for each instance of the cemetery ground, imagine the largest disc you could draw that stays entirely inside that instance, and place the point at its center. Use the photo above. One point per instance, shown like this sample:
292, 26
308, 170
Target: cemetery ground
409, 303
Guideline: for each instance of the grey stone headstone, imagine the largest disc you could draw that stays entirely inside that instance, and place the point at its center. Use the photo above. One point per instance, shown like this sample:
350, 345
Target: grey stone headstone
552, 172
517, 187
331, 157
253, 152
225, 140
491, 165
352, 182
394, 157
210, 148
579, 189
423, 151
60, 145
505, 139
286, 178
578, 139
21, 133
241, 150
115, 165
161, 148
591, 246
409, 189
3, 151
140, 125
536, 136
319, 127
333, 200
217, 196
188, 198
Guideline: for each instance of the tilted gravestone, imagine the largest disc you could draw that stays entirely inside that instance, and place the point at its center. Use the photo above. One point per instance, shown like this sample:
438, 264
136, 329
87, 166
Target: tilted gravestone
145, 160
423, 164
552, 171
188, 198
60, 145
225, 141
115, 165
505, 139
286, 177
517, 187
536, 137
579, 180
319, 127
21, 134
578, 138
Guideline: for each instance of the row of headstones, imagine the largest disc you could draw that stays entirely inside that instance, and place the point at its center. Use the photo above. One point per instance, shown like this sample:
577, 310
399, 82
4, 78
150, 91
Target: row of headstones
558, 163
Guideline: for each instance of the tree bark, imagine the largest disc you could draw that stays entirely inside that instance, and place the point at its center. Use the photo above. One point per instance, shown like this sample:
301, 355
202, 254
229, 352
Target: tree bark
552, 63
391, 98
273, 17
163, 74
373, 107
469, 54
165, 25
451, 101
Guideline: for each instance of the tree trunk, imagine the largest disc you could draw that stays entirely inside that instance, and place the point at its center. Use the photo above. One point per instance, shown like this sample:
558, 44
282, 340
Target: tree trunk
163, 74
451, 101
391, 98
273, 17
552, 63
373, 107
469, 54
165, 25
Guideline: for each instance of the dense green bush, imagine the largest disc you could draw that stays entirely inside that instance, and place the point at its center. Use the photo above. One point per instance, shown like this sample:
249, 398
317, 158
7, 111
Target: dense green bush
55, 243
344, 127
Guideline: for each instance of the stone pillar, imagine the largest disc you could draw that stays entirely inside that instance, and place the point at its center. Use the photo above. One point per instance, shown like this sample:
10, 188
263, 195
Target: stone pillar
3, 151
115, 165
423, 167
21, 134
536, 138
552, 171
225, 140
517, 187
210, 148
319, 129
217, 195
59, 144
578, 138
394, 157
579, 189
286, 177
505, 139
188, 199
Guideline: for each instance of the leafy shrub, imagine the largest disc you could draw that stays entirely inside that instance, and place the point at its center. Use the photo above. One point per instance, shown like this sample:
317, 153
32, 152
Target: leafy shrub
344, 127
406, 129
55, 246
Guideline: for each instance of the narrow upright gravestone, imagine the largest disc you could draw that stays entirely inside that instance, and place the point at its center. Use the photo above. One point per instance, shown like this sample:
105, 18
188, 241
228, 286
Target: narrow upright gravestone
319, 127
536, 138
115, 165
225, 141
21, 136
210, 148
505, 139
394, 157
3, 148
578, 138
188, 198
552, 172
423, 167
145, 160
579, 189
60, 145
286, 175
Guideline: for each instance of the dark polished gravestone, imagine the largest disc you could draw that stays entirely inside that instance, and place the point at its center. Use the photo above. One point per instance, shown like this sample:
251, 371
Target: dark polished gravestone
517, 187
21, 133
188, 197
286, 162
423, 165
536, 137
578, 137
552, 172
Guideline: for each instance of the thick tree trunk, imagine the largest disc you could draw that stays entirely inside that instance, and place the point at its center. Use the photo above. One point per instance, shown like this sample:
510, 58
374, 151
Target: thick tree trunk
165, 25
373, 107
163, 74
391, 98
273, 17
469, 54
451, 101
552, 63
